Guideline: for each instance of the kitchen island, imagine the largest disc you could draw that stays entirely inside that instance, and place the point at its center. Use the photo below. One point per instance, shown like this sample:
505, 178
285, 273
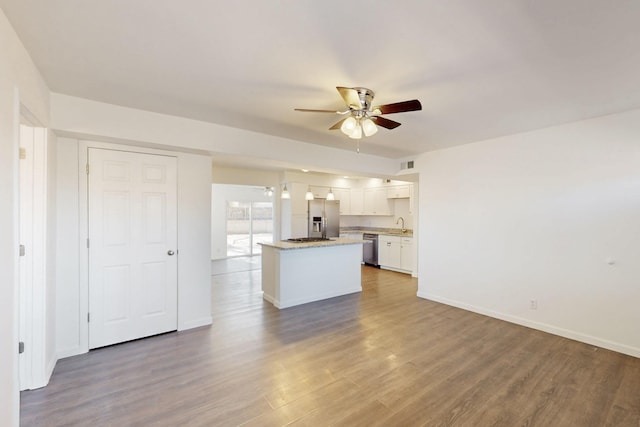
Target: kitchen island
295, 273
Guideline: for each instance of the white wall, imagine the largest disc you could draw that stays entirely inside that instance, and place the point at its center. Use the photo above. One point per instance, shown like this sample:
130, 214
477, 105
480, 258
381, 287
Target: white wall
194, 241
244, 176
551, 215
220, 195
20, 83
67, 246
194, 234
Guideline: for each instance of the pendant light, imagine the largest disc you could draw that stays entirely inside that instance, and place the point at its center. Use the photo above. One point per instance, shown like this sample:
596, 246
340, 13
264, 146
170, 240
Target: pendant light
309, 195
330, 195
285, 193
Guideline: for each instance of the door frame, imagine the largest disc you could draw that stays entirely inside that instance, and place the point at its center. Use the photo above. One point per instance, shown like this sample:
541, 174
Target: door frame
34, 369
83, 224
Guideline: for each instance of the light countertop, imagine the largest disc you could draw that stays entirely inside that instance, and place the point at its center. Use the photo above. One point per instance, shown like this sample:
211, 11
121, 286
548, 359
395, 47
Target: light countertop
384, 231
335, 241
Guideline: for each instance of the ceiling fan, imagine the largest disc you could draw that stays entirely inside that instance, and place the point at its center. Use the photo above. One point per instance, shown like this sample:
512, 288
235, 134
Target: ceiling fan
362, 118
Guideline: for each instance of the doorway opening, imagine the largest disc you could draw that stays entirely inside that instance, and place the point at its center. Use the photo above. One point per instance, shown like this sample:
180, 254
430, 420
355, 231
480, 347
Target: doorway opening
242, 216
248, 225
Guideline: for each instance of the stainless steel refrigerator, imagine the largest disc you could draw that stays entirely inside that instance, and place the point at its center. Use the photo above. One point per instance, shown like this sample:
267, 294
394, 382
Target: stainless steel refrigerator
324, 218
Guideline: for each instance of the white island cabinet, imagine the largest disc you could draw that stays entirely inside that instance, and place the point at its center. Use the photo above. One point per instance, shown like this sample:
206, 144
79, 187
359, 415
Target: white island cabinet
299, 273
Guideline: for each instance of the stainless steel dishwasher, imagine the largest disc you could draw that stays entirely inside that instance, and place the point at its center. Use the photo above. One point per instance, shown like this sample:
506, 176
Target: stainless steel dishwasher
370, 250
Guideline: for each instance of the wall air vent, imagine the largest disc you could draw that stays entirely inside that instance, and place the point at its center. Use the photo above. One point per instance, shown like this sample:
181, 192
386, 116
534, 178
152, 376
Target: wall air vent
406, 165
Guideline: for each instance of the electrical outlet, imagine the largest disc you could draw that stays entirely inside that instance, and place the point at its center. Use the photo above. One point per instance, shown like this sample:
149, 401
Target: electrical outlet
533, 304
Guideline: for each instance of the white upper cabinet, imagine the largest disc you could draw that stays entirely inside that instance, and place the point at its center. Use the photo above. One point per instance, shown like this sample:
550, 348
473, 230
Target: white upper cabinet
399, 192
319, 192
376, 202
357, 202
344, 195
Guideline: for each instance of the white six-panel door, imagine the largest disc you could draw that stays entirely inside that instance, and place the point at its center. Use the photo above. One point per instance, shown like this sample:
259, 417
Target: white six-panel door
132, 210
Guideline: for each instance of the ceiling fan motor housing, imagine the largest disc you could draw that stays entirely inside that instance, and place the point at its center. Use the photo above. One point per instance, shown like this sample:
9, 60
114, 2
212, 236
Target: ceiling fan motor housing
366, 97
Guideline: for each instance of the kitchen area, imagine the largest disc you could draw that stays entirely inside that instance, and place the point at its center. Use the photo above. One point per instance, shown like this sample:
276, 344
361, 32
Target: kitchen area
328, 233
378, 211
327, 230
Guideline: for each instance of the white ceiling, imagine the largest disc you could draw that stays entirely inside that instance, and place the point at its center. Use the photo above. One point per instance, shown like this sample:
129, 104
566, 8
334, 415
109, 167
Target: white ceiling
481, 69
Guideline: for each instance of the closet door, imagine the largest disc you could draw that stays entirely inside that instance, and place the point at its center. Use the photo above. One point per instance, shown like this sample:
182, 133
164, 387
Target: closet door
132, 209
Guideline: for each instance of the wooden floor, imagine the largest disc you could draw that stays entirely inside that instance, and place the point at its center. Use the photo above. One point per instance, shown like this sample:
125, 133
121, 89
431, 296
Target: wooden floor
380, 358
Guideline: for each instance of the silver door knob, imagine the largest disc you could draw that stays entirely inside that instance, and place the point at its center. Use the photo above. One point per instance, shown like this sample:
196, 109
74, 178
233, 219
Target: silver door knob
170, 253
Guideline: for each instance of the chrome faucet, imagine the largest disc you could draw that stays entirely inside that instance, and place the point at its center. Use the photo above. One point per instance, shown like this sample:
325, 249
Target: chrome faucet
401, 219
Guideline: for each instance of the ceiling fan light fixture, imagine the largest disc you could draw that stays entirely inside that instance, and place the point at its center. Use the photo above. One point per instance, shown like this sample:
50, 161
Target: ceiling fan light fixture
368, 127
349, 125
362, 118
356, 133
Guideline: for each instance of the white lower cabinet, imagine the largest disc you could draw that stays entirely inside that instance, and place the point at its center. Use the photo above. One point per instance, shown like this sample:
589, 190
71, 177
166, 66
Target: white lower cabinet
406, 254
388, 251
395, 253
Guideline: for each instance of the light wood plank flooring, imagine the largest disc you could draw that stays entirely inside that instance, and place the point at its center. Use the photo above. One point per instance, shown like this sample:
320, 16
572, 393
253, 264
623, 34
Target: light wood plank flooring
380, 358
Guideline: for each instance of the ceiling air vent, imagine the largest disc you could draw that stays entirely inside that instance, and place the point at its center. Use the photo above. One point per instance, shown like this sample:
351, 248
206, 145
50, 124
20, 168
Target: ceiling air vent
406, 165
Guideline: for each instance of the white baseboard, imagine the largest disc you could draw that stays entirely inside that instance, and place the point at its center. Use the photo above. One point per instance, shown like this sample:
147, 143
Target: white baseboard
68, 352
313, 298
50, 367
270, 299
555, 330
205, 321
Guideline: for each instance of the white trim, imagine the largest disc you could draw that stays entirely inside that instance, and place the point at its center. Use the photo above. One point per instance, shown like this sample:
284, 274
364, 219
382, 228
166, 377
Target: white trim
26, 216
68, 352
83, 225
271, 299
15, 398
39, 377
397, 270
33, 306
311, 298
566, 333
205, 321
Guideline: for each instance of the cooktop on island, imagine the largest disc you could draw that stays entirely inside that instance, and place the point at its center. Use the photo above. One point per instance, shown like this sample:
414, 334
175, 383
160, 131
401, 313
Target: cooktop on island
308, 239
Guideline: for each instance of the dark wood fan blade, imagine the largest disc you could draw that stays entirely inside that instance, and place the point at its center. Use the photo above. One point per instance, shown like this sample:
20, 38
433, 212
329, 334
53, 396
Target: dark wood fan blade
399, 107
307, 110
337, 125
385, 123
350, 97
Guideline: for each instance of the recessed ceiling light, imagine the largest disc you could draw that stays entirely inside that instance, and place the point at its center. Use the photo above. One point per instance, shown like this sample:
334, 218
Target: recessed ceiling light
304, 170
